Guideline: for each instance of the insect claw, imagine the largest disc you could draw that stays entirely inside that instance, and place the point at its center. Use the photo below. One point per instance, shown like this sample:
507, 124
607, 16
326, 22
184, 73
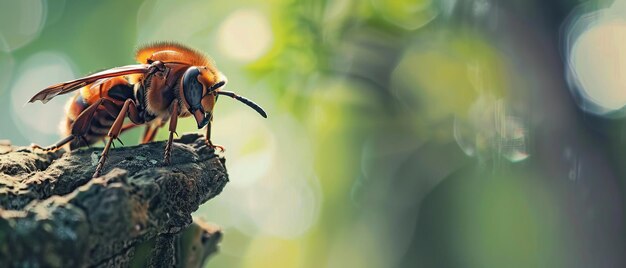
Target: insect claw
35, 146
118, 139
215, 146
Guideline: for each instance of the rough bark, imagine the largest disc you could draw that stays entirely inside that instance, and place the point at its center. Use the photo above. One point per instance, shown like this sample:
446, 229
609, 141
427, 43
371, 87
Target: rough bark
53, 214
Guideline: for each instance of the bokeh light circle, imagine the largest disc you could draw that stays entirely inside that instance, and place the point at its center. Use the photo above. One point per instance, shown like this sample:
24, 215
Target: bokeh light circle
38, 122
598, 59
7, 64
274, 190
245, 35
255, 147
20, 22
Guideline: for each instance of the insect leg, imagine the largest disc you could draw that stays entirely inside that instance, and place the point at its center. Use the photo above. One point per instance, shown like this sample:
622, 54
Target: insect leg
149, 134
208, 136
83, 121
55, 146
79, 127
151, 130
128, 126
172, 128
128, 108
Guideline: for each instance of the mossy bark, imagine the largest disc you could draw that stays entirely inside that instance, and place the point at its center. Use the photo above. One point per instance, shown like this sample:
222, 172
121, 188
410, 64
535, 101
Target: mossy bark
53, 214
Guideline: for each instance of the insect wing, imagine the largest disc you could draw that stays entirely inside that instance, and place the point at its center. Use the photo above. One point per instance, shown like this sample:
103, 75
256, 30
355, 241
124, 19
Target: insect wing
63, 88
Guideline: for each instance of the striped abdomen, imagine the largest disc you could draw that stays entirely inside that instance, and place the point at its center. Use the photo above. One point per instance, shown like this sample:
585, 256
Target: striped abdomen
115, 89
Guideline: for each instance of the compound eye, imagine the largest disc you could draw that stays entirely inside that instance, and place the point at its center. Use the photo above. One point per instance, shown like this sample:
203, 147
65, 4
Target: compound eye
192, 89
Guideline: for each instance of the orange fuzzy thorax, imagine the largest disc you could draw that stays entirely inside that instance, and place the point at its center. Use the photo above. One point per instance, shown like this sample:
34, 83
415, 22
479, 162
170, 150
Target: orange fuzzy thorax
172, 52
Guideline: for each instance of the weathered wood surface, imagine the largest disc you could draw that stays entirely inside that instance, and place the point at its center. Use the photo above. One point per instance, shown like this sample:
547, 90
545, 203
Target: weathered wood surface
53, 214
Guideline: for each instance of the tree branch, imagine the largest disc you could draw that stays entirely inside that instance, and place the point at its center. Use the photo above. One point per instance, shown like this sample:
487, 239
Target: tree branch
53, 214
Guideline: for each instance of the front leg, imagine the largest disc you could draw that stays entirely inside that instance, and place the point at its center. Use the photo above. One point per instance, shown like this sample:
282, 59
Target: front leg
173, 121
207, 137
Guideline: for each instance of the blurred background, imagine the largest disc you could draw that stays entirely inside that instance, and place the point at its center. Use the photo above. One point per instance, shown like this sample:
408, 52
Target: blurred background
401, 133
